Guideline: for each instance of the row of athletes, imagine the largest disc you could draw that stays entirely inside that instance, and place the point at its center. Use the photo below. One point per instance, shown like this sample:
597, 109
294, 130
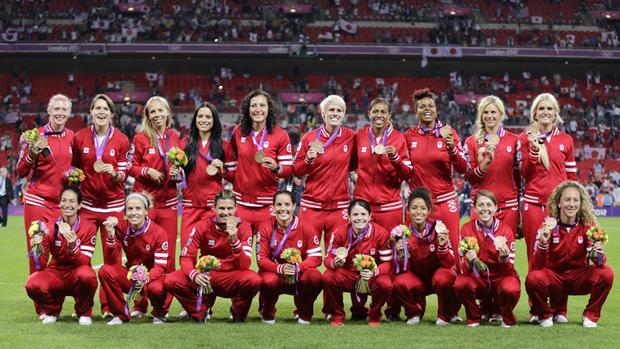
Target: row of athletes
260, 153
406, 272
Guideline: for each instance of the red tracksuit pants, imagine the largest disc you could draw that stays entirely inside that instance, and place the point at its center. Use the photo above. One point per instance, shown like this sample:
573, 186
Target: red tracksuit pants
304, 292
241, 285
448, 213
505, 289
336, 282
167, 218
49, 287
410, 291
597, 282
254, 215
387, 219
113, 279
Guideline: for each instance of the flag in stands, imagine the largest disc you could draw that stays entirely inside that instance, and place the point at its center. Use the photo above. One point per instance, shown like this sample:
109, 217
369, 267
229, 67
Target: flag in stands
347, 26
522, 12
455, 51
429, 51
424, 61
130, 33
151, 76
100, 25
594, 153
537, 20
10, 35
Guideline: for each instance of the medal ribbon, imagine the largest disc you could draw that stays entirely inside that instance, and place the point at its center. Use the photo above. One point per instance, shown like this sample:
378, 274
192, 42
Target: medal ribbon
436, 128
284, 238
139, 231
351, 242
331, 138
260, 145
60, 220
99, 149
161, 151
371, 138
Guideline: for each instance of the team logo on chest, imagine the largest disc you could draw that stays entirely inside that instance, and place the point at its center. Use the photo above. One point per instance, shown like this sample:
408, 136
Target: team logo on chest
432, 247
151, 151
211, 242
58, 243
509, 149
299, 243
414, 144
70, 150
266, 144
111, 152
242, 140
148, 248
250, 241
439, 144
345, 148
363, 149
78, 242
580, 240
86, 151
556, 240
125, 243
372, 251
562, 147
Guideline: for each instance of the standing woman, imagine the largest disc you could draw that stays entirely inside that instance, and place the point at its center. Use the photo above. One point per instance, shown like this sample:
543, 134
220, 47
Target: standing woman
46, 172
497, 250
324, 157
360, 236
148, 164
71, 244
434, 151
492, 162
561, 261
263, 152
382, 165
546, 158
210, 159
101, 152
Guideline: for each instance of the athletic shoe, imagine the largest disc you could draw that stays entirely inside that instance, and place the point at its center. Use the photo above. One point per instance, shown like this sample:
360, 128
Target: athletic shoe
159, 320
534, 320
42, 316
106, 314
116, 321
374, 323
271, 322
74, 315
47, 319
484, 317
587, 323
137, 314
440, 322
475, 324
328, 317
205, 317
394, 318
414, 320
456, 318
504, 325
303, 322
183, 315
337, 324
560, 319
85, 321
234, 316
495, 318
548, 322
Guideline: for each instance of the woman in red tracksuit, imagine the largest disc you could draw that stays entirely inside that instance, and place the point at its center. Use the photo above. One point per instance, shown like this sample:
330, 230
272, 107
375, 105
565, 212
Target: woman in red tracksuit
433, 157
69, 273
263, 152
144, 243
429, 266
148, 164
204, 147
101, 152
231, 244
360, 236
491, 166
497, 249
546, 158
276, 235
382, 165
561, 260
46, 172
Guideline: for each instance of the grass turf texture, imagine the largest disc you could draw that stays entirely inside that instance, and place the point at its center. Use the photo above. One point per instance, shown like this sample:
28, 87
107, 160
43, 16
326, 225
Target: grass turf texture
20, 327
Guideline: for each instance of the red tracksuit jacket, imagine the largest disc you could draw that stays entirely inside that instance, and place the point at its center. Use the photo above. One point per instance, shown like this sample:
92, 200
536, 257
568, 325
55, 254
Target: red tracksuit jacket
488, 253
426, 256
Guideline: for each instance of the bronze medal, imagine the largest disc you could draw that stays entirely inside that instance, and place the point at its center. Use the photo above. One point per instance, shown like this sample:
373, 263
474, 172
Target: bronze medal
212, 170
341, 252
440, 227
499, 241
41, 143
445, 131
97, 165
551, 223
64, 228
232, 221
260, 155
533, 129
317, 145
380, 149
493, 139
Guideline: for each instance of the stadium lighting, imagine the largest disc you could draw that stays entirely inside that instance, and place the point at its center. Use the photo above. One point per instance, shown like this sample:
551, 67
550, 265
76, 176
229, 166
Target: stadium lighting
293, 10
153, 57
130, 9
301, 99
453, 12
608, 16
221, 87
127, 98
404, 60
216, 40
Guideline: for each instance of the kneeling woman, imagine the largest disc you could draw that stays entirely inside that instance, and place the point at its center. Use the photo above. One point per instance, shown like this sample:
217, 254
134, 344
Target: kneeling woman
561, 260
428, 266
230, 241
71, 243
499, 280
341, 275
145, 243
275, 236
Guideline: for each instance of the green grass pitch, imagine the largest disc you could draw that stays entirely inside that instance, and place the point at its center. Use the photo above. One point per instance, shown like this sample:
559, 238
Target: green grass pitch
21, 328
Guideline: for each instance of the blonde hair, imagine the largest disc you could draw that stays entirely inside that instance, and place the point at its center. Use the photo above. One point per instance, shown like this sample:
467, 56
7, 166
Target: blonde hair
335, 99
585, 215
543, 156
147, 125
61, 97
482, 104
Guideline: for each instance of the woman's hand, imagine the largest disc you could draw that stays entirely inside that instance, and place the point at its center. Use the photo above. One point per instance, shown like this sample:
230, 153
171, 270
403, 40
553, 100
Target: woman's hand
339, 261
155, 175
269, 164
471, 255
35, 239
109, 227
71, 237
202, 279
366, 274
598, 247
219, 164
504, 251
443, 238
174, 171
289, 269
232, 233
545, 234
311, 154
449, 139
138, 285
531, 137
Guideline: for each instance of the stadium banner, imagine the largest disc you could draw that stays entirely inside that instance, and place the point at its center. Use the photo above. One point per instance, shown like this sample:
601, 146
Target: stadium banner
606, 14
293, 8
455, 10
607, 211
289, 97
128, 96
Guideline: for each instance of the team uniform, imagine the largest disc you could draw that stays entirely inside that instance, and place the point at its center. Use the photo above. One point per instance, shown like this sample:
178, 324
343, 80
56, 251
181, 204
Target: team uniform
233, 279
539, 182
201, 188
147, 246
326, 196
269, 246
142, 156
561, 267
375, 243
45, 178
502, 178
379, 176
500, 281
255, 185
69, 273
432, 168
430, 269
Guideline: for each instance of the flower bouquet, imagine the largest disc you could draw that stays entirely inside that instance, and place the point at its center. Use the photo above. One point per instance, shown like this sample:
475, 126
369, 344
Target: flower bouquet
205, 265
293, 256
597, 233
401, 232
471, 243
75, 176
37, 228
178, 157
364, 261
137, 273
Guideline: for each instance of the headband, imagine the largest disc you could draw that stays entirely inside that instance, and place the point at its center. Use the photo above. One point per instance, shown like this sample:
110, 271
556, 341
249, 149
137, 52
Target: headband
139, 196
